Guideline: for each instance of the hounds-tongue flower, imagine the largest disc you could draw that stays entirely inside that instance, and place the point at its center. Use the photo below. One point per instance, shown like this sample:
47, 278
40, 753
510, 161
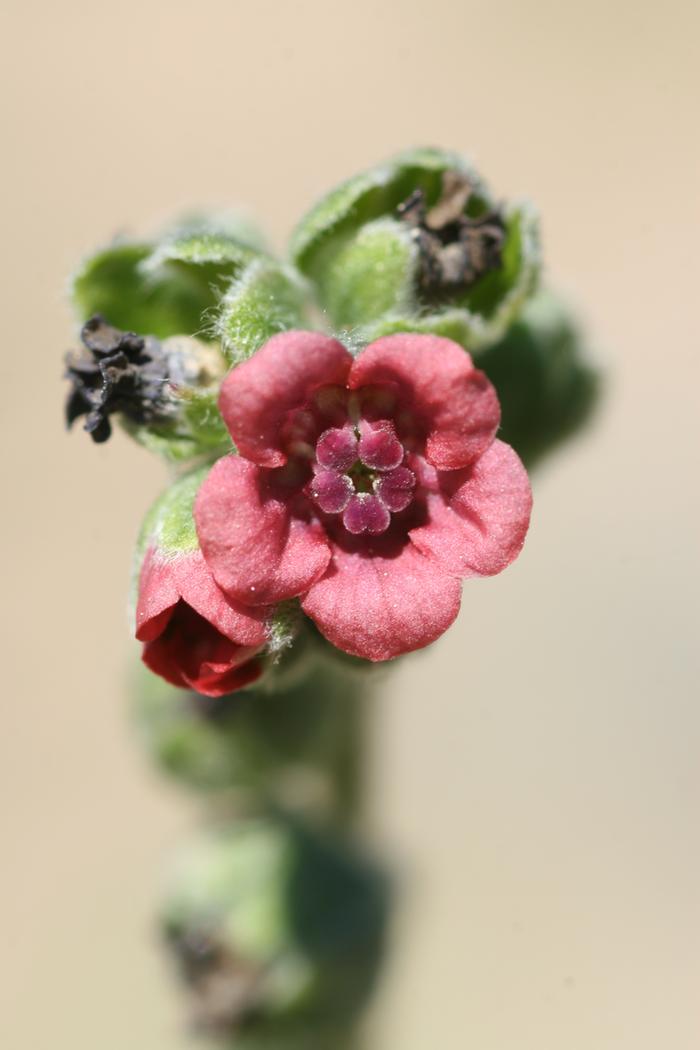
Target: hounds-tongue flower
367, 487
194, 635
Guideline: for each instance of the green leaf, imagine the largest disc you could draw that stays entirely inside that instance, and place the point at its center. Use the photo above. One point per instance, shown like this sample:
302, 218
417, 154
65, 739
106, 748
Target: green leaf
546, 384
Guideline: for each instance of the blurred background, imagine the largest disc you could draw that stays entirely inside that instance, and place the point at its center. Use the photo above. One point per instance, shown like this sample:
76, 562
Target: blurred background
535, 775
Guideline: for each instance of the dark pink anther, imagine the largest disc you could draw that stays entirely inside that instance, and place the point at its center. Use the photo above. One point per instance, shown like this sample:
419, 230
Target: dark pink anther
366, 513
395, 488
380, 448
336, 449
331, 491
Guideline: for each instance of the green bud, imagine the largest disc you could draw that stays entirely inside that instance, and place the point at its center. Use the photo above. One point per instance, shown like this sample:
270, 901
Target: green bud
418, 244
278, 930
546, 384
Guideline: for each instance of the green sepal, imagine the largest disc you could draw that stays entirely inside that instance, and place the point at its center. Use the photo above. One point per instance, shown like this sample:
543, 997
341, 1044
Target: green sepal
194, 443
487, 310
545, 380
361, 261
118, 283
208, 257
226, 222
371, 195
168, 526
382, 248
195, 429
266, 298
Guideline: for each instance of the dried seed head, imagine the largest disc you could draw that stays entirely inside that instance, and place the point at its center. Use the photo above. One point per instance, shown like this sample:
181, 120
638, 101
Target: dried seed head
455, 249
116, 372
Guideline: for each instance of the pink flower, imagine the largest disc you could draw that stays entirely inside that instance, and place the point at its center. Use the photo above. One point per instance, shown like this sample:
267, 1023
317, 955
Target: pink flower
368, 487
193, 635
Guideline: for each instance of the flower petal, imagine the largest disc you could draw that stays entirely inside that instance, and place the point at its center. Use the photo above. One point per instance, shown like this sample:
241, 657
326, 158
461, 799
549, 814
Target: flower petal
165, 579
378, 600
220, 683
192, 652
479, 518
257, 550
455, 402
158, 596
239, 623
257, 394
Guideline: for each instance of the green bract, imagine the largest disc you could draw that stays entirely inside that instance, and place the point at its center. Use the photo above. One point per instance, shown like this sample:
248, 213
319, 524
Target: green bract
286, 923
363, 259
169, 525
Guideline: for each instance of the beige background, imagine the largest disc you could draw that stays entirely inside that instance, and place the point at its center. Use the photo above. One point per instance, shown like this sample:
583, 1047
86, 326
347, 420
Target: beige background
538, 771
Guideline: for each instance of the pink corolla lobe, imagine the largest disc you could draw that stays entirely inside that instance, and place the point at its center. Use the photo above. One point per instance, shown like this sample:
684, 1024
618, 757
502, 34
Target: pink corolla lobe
368, 487
193, 635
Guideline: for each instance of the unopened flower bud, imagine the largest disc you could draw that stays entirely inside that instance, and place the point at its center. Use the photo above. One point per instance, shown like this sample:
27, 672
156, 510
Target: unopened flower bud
193, 635
278, 932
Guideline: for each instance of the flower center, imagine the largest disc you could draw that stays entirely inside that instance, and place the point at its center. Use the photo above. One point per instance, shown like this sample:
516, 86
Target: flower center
359, 474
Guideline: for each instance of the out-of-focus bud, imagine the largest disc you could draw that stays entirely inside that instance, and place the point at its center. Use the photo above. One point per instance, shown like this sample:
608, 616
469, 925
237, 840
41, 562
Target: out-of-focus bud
546, 383
278, 931
419, 244
162, 322
295, 742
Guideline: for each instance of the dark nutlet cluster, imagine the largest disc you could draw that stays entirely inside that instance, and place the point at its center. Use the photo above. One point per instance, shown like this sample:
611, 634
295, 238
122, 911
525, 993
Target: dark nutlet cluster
116, 372
455, 249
